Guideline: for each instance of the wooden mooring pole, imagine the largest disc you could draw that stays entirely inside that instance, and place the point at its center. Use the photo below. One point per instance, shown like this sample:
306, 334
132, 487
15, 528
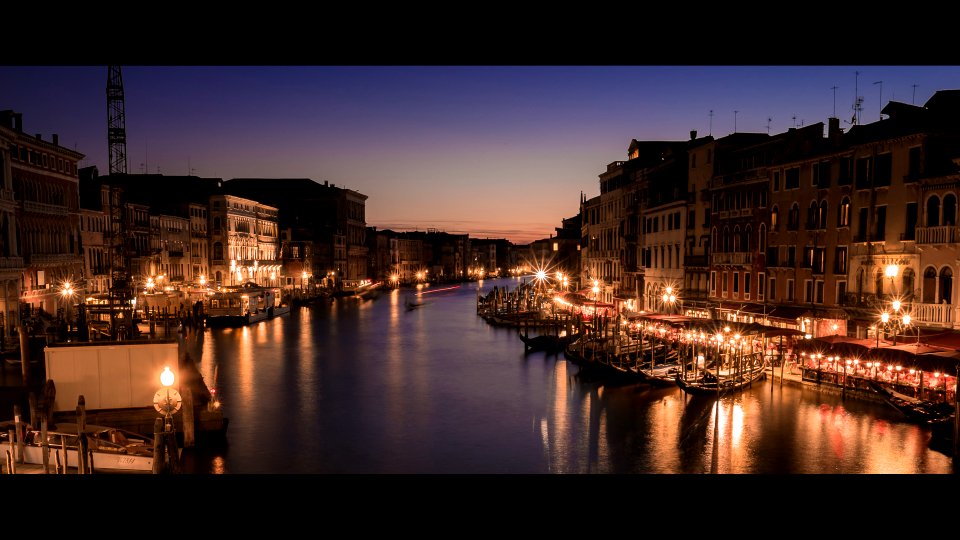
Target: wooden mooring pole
157, 437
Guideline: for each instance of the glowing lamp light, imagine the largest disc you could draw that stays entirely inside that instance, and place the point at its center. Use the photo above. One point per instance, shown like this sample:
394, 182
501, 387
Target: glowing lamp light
166, 378
885, 317
907, 319
203, 280
896, 305
891, 271
807, 336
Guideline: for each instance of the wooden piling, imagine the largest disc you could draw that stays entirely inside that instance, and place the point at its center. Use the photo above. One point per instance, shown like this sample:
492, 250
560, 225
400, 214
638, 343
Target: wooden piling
81, 415
32, 403
82, 446
66, 456
11, 467
18, 426
58, 468
44, 445
188, 421
157, 438
24, 353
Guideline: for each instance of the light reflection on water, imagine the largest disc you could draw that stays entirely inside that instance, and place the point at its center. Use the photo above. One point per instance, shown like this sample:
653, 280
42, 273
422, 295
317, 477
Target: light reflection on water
354, 386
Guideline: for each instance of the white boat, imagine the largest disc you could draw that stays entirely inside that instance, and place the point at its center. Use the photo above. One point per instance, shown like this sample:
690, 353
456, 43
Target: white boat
112, 449
245, 304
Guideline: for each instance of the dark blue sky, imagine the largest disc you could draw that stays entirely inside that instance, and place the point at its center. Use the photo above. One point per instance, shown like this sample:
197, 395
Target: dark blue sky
490, 150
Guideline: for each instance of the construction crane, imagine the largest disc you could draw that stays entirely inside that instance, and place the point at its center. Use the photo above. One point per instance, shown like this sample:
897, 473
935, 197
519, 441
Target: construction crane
121, 290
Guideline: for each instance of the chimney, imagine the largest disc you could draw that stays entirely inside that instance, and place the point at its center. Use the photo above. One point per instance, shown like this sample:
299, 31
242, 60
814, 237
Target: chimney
833, 130
56, 140
693, 134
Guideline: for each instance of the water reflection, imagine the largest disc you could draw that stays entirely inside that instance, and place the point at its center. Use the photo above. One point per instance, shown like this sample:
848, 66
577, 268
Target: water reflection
354, 386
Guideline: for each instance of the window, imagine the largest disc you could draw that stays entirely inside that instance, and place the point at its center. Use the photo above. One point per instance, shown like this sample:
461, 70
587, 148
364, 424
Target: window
883, 170
746, 286
910, 224
706, 217
949, 209
818, 290
791, 256
793, 220
723, 283
844, 175
790, 291
772, 289
913, 167
713, 283
841, 292
843, 214
862, 226
881, 230
736, 284
812, 215
808, 257
822, 215
792, 179
776, 181
840, 261
775, 219
691, 218
808, 291
761, 283
864, 167
821, 174
772, 259
819, 256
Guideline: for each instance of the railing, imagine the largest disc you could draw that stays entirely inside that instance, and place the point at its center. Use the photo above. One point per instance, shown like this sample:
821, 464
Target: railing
934, 313
695, 260
947, 234
40, 208
731, 258
11, 262
54, 259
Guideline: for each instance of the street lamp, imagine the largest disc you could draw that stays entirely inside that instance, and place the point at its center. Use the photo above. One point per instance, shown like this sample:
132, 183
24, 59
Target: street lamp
596, 294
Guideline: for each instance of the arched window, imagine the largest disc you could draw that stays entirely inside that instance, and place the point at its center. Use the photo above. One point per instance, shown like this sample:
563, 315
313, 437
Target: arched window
950, 209
746, 243
736, 239
843, 213
762, 238
822, 215
933, 211
929, 285
878, 282
793, 220
775, 218
716, 241
726, 239
812, 215
946, 285
906, 284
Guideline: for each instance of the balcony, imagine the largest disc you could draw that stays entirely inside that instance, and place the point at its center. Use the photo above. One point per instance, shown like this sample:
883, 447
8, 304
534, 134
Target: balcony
947, 234
939, 314
46, 259
11, 262
731, 258
40, 208
695, 260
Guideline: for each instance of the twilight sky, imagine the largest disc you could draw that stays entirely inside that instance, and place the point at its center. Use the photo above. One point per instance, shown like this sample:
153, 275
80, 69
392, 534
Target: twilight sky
494, 151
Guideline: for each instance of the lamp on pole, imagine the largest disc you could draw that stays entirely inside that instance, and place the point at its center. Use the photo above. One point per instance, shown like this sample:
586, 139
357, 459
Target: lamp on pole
596, 295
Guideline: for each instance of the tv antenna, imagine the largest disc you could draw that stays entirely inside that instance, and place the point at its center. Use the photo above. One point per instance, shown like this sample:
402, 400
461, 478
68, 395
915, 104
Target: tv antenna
834, 88
768, 124
912, 99
881, 98
711, 122
735, 121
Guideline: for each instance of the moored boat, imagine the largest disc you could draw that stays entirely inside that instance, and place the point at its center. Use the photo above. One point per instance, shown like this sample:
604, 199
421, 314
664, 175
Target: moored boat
710, 385
112, 449
245, 304
915, 409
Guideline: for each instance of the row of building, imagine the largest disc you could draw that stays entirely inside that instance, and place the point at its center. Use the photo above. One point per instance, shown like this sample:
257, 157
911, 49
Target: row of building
67, 234
816, 228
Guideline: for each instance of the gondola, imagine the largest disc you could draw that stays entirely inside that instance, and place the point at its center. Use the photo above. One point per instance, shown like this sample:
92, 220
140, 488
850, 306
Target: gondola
915, 409
546, 342
709, 385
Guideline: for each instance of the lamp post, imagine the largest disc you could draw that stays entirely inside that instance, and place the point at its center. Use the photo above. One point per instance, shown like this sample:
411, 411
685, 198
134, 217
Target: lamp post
596, 294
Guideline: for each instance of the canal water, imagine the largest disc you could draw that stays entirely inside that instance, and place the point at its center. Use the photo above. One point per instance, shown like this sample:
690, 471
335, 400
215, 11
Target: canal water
368, 386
